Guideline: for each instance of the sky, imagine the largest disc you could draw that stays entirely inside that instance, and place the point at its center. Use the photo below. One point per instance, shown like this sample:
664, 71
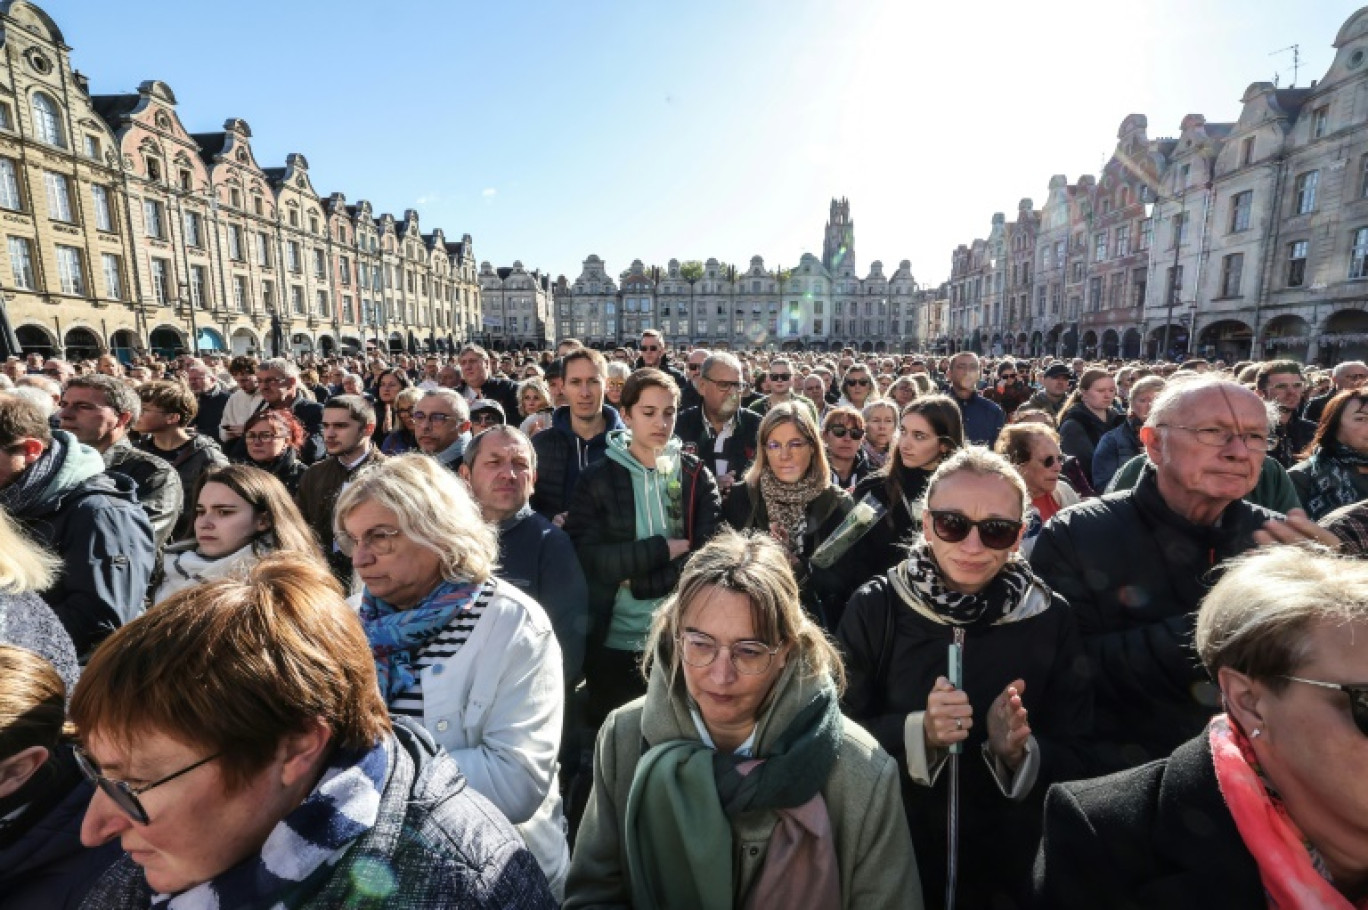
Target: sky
715, 128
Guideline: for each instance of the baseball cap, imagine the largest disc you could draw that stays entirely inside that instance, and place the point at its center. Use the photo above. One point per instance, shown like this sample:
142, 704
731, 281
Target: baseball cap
1058, 370
486, 406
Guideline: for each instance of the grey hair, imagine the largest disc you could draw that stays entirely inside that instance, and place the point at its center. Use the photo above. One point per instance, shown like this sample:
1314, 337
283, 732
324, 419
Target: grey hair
42, 399
1145, 383
1256, 619
1180, 388
981, 462
1342, 368
458, 403
721, 358
280, 365
875, 403
472, 449
26, 566
118, 394
618, 370
433, 508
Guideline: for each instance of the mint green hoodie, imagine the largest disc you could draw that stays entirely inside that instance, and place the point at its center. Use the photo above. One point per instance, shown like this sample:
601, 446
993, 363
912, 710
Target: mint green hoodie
651, 499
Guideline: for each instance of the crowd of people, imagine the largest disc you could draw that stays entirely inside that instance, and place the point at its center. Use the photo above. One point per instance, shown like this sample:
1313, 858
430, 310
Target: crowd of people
661, 627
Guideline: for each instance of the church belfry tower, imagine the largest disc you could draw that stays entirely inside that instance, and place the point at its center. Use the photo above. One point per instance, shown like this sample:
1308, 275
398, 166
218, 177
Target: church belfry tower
838, 249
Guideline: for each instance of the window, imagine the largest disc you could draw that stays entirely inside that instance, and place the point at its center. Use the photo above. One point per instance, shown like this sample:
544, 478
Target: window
1094, 294
153, 169
58, 196
186, 180
1078, 271
1296, 263
113, 276
69, 270
161, 281
1175, 282
1358, 257
292, 255
235, 197
1123, 240
104, 212
199, 287
348, 315
294, 217
1114, 290
1247, 151
1138, 282
1146, 233
256, 204
1305, 190
320, 264
47, 124
152, 216
344, 270
1320, 121
240, 293
1232, 267
263, 250
193, 234
1240, 206
92, 147
1363, 177
297, 299
1100, 246
6, 118
21, 262
9, 186
268, 296
234, 243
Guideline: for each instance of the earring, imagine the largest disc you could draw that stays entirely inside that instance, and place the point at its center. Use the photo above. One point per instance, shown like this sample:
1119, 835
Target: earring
1255, 733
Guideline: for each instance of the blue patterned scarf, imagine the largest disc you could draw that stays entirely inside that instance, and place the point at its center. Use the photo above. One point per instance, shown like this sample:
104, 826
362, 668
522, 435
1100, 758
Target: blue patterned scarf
304, 846
396, 636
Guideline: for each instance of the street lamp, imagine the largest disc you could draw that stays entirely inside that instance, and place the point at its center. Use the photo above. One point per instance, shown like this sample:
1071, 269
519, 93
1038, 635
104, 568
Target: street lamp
1174, 283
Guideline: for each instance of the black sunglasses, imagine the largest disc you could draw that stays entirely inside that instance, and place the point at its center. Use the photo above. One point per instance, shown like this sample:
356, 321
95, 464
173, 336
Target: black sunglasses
125, 795
780, 377
1050, 460
840, 432
857, 382
996, 533
1358, 699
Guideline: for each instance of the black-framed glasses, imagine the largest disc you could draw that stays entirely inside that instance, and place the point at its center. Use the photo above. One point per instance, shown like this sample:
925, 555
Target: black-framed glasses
1358, 698
1219, 437
727, 386
995, 533
780, 377
841, 432
438, 418
1050, 461
262, 437
857, 382
749, 658
123, 794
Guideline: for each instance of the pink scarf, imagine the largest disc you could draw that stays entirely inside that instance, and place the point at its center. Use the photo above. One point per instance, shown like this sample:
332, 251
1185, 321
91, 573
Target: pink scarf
1288, 865
800, 862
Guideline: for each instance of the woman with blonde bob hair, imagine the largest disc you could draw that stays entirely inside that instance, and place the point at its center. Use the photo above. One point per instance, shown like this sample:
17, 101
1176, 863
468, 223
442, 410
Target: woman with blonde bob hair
26, 567
735, 781
1266, 807
243, 757
466, 655
789, 493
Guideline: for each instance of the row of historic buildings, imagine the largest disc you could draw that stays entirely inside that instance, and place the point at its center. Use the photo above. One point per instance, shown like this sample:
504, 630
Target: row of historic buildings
1230, 238
815, 304
123, 231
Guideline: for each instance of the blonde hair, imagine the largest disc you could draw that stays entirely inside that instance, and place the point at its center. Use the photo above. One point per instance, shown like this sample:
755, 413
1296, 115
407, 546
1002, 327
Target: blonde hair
433, 508
755, 566
798, 415
25, 565
983, 463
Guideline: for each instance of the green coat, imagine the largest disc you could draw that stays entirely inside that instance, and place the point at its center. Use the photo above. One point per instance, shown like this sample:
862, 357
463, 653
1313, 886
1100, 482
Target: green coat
1273, 491
873, 847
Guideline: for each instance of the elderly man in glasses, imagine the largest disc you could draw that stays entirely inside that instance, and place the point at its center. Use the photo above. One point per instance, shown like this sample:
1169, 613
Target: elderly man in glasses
441, 424
719, 431
1134, 566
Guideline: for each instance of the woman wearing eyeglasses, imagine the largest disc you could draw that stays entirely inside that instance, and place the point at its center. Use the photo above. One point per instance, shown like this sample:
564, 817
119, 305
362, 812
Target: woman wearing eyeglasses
466, 655
1023, 702
843, 434
1335, 473
241, 514
403, 438
243, 757
788, 493
273, 439
617, 378
735, 781
43, 865
881, 423
1266, 806
1033, 449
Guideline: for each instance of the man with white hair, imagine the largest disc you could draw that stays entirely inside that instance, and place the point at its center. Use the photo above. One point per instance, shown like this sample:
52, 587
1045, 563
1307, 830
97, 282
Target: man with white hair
1134, 566
211, 399
1351, 374
441, 424
278, 383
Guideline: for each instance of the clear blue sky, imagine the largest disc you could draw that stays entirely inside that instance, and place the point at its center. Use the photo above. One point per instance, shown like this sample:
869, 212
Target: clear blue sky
653, 130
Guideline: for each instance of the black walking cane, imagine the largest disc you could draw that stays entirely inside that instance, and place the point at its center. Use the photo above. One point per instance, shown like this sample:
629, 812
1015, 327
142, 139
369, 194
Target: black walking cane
956, 677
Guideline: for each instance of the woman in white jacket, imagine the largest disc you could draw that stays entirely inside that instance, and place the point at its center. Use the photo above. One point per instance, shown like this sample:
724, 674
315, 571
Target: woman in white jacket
471, 658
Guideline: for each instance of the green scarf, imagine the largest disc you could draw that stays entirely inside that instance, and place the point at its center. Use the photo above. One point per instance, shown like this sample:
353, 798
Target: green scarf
678, 834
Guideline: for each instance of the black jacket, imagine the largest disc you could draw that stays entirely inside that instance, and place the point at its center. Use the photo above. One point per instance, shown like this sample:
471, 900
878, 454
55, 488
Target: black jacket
894, 652
1135, 572
602, 524
157, 483
1290, 440
693, 429
504, 391
824, 591
562, 455
310, 417
539, 559
210, 413
190, 462
1080, 430
665, 367
1157, 837
287, 469
884, 545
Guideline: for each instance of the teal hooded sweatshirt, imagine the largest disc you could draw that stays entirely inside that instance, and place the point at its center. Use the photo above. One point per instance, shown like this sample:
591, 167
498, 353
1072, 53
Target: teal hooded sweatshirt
651, 495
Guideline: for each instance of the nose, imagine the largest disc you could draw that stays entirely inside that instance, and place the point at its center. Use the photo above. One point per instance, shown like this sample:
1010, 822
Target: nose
973, 543
103, 821
721, 671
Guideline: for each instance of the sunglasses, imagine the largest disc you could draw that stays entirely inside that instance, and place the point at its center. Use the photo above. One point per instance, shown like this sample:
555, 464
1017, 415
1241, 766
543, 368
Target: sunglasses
1358, 699
995, 533
841, 432
780, 377
650, 347
857, 382
125, 795
1050, 461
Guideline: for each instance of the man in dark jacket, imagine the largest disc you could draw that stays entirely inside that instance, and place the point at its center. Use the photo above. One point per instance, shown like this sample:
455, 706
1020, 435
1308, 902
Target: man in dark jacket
653, 354
1054, 390
348, 422
211, 399
1280, 383
58, 490
691, 395
1347, 375
983, 419
1135, 565
167, 409
1011, 390
278, 384
534, 555
99, 410
578, 435
478, 383
720, 432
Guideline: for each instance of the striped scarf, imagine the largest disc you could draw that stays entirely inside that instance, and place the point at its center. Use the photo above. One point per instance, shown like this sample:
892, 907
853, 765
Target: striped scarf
396, 636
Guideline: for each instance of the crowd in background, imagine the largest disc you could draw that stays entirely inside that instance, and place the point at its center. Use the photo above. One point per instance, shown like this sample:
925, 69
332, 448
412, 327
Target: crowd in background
664, 626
